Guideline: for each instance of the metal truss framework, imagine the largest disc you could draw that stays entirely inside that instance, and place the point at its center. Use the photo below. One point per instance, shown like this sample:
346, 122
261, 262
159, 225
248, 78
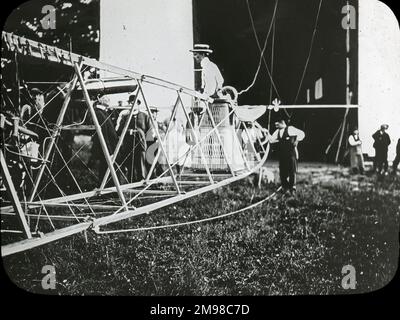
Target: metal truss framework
180, 185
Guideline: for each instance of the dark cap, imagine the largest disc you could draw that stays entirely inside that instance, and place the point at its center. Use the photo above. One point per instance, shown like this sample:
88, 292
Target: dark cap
132, 99
385, 126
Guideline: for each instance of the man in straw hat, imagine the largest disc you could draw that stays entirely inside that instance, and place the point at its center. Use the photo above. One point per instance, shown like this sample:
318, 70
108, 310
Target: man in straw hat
211, 78
381, 145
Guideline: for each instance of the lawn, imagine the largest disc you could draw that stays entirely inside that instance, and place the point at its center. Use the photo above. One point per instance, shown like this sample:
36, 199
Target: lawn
287, 246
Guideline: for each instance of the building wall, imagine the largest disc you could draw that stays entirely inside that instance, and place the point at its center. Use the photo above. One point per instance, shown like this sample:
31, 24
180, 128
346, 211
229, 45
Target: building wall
152, 37
379, 75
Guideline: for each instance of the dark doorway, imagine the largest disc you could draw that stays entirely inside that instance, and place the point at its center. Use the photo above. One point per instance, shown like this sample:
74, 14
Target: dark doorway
226, 26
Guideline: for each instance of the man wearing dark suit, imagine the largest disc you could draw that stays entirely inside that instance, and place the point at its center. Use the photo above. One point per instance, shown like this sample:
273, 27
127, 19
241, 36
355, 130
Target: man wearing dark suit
110, 136
287, 137
381, 145
133, 151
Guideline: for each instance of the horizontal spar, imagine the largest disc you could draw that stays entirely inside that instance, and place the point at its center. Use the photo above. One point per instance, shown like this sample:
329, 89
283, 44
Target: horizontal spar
48, 53
50, 216
24, 245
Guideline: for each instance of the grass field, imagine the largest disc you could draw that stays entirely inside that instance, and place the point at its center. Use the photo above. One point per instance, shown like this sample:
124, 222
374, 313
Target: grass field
287, 246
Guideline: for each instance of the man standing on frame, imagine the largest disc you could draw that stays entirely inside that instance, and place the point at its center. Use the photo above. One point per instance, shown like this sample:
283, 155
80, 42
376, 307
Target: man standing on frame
211, 83
287, 137
211, 78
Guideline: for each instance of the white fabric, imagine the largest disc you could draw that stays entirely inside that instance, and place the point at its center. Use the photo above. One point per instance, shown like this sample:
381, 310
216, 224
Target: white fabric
212, 79
355, 146
292, 131
353, 142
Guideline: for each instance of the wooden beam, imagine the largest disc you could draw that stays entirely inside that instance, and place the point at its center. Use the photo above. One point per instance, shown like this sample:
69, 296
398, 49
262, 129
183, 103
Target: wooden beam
152, 192
33, 205
52, 217
48, 53
27, 244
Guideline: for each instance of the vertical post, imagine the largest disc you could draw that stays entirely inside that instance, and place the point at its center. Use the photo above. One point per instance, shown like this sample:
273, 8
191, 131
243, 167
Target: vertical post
101, 137
14, 196
348, 94
56, 132
159, 138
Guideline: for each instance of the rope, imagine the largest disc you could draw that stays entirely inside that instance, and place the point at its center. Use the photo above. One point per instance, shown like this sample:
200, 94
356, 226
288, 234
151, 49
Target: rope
97, 230
261, 50
309, 52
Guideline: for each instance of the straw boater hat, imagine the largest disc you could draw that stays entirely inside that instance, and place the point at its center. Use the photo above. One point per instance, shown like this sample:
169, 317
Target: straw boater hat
204, 48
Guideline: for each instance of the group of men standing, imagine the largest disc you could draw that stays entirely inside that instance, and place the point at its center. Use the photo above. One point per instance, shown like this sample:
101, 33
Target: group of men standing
381, 146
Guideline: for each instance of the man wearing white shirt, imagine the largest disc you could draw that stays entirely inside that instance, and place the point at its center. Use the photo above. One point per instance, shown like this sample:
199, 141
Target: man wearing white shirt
356, 156
211, 77
287, 138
